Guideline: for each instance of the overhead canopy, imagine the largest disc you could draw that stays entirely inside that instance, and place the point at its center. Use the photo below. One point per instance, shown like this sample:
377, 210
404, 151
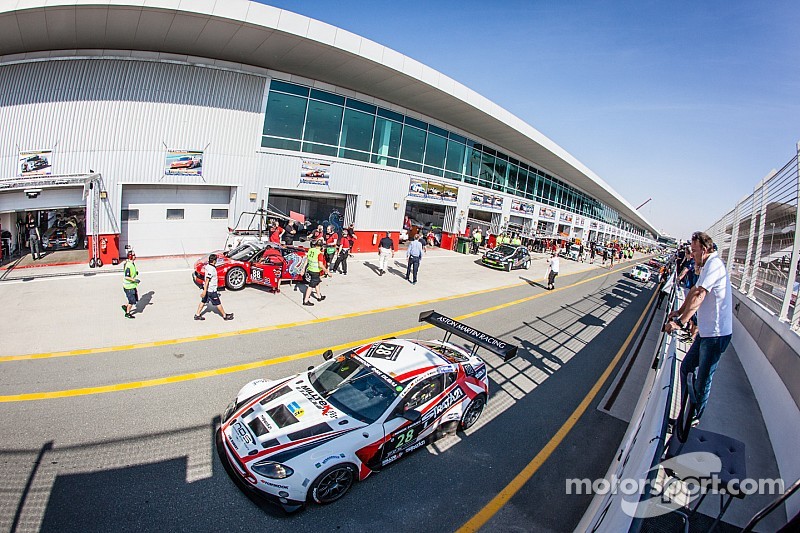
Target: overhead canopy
243, 34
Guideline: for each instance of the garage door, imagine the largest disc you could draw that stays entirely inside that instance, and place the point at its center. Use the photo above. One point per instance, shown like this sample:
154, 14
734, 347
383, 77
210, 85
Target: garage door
174, 220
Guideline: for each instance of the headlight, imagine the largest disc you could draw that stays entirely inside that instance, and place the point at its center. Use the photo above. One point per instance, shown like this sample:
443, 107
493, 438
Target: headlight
272, 470
229, 410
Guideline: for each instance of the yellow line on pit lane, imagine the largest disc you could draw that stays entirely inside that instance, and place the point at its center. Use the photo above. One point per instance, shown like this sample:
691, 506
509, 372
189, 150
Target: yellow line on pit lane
86, 391
494, 505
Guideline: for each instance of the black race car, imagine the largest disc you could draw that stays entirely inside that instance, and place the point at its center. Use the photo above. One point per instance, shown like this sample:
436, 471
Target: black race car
507, 257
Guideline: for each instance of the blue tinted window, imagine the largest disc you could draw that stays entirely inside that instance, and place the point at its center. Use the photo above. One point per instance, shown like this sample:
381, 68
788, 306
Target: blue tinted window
319, 149
291, 88
416, 167
437, 130
391, 115
435, 150
323, 123
283, 144
413, 144
285, 115
455, 156
386, 141
416, 123
433, 171
361, 106
357, 130
458, 138
352, 154
385, 161
327, 97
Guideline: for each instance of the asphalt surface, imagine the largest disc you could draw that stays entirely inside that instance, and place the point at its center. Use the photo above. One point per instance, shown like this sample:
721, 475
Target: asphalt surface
142, 459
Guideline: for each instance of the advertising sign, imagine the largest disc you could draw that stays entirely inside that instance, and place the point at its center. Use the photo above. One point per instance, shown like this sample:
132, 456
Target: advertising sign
498, 202
35, 163
450, 193
547, 213
522, 207
432, 190
435, 190
566, 217
592, 225
418, 188
315, 173
477, 199
183, 163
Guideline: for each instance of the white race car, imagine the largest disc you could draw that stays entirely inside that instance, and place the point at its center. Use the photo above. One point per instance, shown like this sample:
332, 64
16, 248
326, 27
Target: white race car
309, 437
640, 273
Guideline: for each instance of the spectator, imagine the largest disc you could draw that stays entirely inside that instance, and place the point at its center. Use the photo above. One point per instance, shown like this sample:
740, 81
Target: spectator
477, 239
331, 243
210, 294
315, 267
552, 271
345, 244
34, 238
385, 250
130, 283
710, 298
414, 256
290, 233
275, 232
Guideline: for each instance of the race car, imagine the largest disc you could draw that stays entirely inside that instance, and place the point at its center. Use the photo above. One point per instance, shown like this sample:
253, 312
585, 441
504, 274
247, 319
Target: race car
63, 234
640, 273
310, 436
507, 257
259, 263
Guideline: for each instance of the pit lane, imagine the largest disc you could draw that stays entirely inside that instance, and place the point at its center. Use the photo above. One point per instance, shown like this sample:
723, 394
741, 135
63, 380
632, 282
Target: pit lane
155, 445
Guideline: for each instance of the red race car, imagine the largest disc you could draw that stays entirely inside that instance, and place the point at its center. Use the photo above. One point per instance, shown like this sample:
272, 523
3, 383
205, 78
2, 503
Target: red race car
260, 263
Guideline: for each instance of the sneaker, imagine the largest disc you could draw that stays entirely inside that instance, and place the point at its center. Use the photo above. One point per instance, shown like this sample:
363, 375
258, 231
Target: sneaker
128, 315
124, 309
229, 316
380, 273
198, 317
321, 298
310, 304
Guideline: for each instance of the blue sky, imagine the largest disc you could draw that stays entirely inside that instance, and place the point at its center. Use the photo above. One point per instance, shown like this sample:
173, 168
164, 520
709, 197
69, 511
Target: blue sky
690, 103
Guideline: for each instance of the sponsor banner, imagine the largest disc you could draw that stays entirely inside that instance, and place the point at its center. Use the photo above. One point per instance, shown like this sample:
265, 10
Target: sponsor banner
566, 217
522, 207
432, 190
505, 350
183, 163
547, 213
579, 221
315, 173
35, 163
498, 202
477, 199
592, 225
488, 201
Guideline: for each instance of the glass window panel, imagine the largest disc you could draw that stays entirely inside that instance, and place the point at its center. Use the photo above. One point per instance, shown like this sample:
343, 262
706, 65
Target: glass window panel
410, 166
291, 88
385, 113
285, 116
383, 160
487, 169
413, 144
433, 171
474, 163
386, 141
319, 149
457, 138
455, 157
219, 214
352, 154
453, 175
129, 214
174, 214
416, 123
327, 97
437, 130
500, 176
435, 150
513, 176
357, 130
323, 123
361, 106
282, 144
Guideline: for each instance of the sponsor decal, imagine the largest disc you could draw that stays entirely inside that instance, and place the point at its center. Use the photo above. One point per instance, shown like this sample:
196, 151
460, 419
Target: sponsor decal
264, 421
295, 409
471, 332
256, 274
384, 350
317, 401
35, 163
265, 482
446, 369
240, 430
481, 372
455, 395
328, 459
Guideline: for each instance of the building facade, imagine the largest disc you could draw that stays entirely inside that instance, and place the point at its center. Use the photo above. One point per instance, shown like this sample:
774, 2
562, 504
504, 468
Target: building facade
196, 118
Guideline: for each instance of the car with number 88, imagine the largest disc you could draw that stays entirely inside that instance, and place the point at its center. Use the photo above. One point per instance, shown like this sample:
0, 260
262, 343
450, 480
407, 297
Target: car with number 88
309, 437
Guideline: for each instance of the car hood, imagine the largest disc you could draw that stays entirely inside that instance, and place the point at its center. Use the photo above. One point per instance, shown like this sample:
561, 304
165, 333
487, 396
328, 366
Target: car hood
497, 256
288, 418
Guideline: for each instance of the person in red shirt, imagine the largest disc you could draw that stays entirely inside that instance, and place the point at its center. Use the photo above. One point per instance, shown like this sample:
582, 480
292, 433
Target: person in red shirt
345, 244
331, 243
275, 232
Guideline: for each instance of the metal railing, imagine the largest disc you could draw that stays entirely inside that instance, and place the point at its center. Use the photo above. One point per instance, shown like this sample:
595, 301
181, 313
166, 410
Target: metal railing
759, 242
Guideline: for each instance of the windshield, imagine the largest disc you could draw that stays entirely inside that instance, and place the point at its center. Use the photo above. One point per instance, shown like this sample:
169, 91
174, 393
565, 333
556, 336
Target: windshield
242, 252
505, 249
353, 388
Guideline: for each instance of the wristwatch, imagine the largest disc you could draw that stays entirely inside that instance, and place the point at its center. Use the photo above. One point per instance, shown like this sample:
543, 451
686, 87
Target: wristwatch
677, 320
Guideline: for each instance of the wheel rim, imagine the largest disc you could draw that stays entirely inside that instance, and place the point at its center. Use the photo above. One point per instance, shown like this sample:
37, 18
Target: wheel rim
334, 484
473, 412
236, 277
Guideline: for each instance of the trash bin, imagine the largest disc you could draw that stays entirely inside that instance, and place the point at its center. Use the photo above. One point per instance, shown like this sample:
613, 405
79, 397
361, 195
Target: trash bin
462, 246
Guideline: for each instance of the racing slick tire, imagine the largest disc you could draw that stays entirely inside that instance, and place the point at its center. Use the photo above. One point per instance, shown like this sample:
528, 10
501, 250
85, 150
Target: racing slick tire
236, 278
473, 412
527, 264
333, 483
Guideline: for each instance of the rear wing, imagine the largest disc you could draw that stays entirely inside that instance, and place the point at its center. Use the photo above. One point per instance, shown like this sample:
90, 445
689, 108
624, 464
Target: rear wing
503, 349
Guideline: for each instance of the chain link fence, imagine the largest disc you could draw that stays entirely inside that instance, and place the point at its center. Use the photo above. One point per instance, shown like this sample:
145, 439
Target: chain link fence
758, 240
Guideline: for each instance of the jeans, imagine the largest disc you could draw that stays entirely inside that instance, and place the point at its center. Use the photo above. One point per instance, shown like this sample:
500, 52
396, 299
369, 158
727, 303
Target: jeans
703, 357
413, 266
341, 261
36, 248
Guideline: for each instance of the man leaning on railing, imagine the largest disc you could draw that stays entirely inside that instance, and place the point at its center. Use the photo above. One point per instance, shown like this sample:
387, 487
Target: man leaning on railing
710, 298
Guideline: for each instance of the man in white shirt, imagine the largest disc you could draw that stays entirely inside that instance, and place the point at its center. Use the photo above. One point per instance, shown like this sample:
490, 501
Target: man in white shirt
710, 298
210, 288
552, 271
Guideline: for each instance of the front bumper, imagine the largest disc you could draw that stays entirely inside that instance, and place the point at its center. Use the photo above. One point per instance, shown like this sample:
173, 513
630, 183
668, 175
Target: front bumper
252, 492
491, 263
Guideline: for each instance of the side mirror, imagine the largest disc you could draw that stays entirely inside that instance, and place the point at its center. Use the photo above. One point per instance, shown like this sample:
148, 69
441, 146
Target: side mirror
311, 368
412, 415
327, 354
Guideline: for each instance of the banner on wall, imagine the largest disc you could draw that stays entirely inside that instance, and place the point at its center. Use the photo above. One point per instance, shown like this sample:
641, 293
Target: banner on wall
476, 199
35, 163
579, 221
183, 163
522, 207
547, 213
566, 217
498, 202
432, 190
592, 225
315, 173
